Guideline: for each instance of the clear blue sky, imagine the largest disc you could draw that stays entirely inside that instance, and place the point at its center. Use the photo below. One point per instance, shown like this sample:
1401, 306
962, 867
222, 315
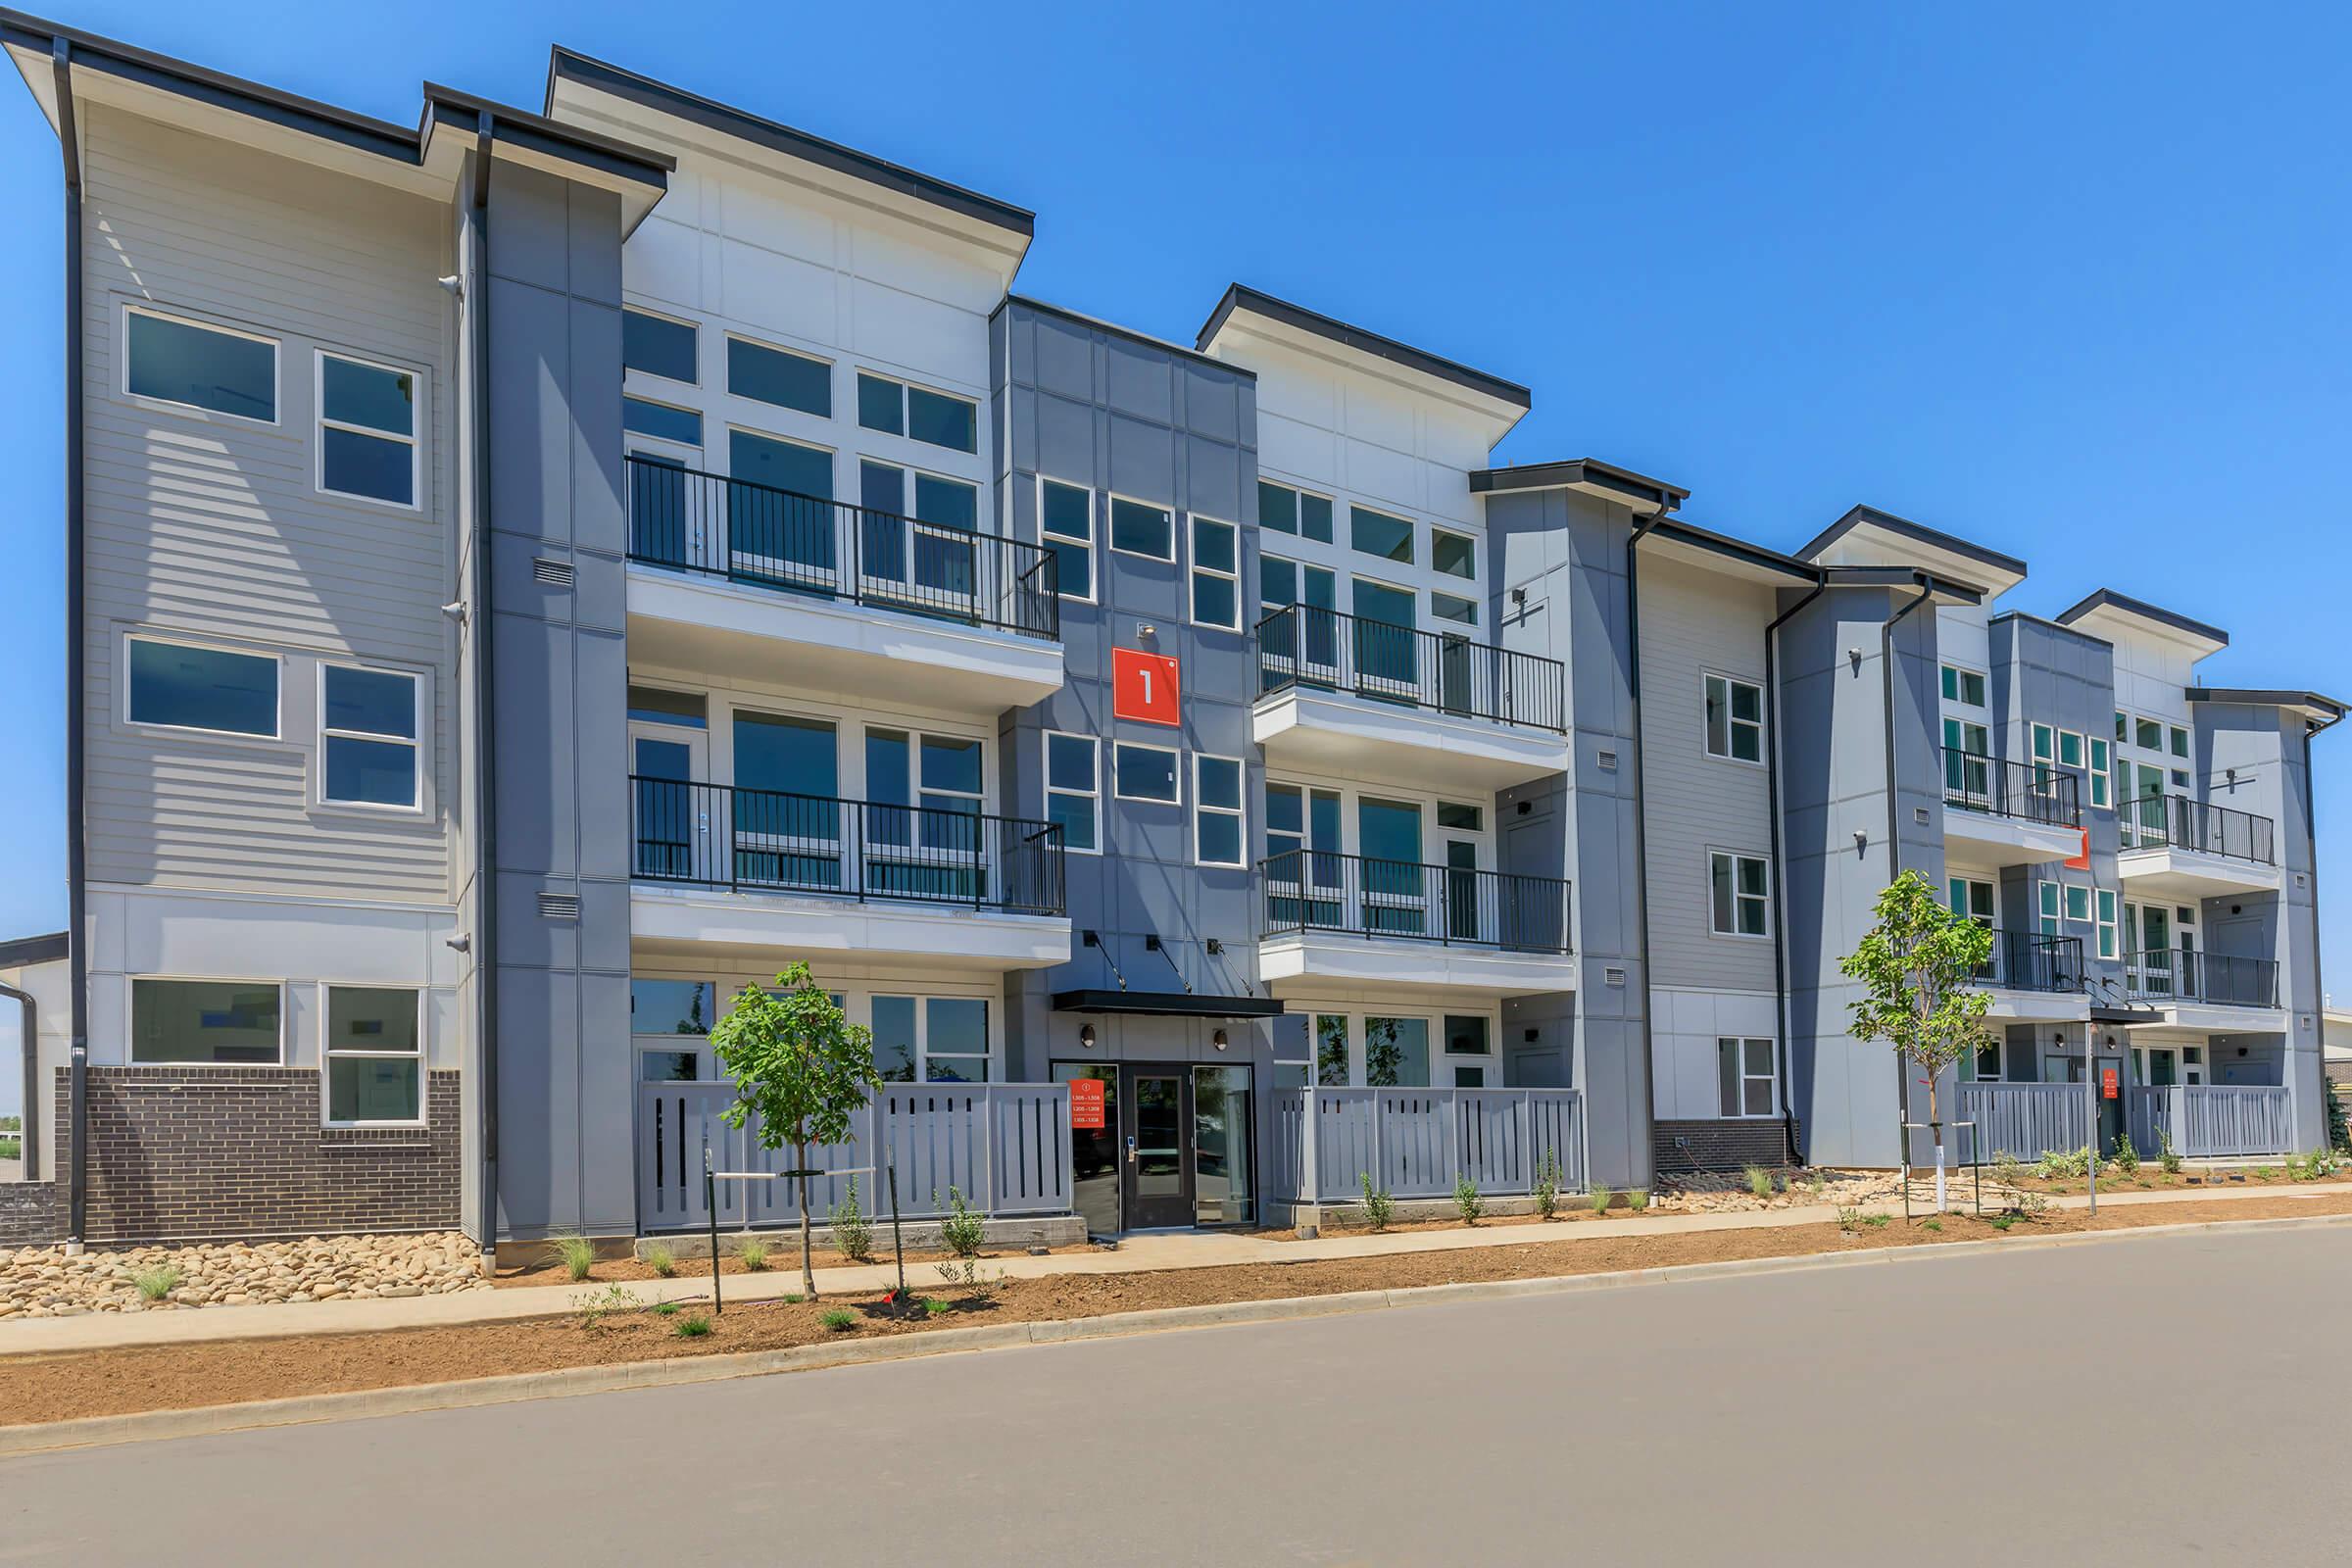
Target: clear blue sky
2069, 280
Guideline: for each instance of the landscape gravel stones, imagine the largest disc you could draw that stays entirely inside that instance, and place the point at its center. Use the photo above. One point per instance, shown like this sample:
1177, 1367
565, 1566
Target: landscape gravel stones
43, 1282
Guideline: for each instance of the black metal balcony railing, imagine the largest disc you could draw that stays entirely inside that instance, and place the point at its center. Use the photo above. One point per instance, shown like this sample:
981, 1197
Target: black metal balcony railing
2178, 975
2031, 792
1309, 890
770, 538
1299, 645
2156, 821
714, 835
2024, 961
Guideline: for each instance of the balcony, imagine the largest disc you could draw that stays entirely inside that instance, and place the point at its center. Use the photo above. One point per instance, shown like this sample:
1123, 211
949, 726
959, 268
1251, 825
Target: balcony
1397, 925
1367, 699
727, 575
2181, 850
2010, 813
2191, 982
2035, 979
815, 874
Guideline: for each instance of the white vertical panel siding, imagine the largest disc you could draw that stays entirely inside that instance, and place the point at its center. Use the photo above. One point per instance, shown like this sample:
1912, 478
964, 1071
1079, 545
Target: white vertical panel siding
212, 529
1694, 621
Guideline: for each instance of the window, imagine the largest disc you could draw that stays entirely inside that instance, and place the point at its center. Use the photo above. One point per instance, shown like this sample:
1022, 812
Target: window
934, 417
368, 736
659, 346
175, 361
2179, 739
2107, 925
2047, 908
2070, 749
662, 422
1967, 769
1973, 899
1065, 519
672, 1006
1216, 575
2045, 753
186, 687
1469, 1035
2078, 903
776, 375
1144, 773
1140, 530
769, 527
2101, 770
374, 1053
367, 430
946, 504
1397, 1052
1376, 533
1460, 818
1454, 607
1453, 553
1963, 686
214, 1023
1741, 885
938, 1039
2149, 734
2180, 778
1743, 1073
1735, 718
2122, 727
1288, 511
1331, 1051
1217, 837
1073, 789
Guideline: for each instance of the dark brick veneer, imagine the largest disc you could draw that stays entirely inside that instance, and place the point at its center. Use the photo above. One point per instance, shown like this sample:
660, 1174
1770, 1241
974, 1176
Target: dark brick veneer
1714, 1145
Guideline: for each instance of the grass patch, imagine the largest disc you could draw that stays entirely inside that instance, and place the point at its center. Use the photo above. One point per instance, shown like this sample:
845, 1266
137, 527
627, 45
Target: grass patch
661, 1259
753, 1252
840, 1319
156, 1283
692, 1328
578, 1254
1602, 1198
665, 1309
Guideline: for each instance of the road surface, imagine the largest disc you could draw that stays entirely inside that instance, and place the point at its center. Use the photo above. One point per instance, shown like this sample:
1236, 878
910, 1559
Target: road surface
2179, 1398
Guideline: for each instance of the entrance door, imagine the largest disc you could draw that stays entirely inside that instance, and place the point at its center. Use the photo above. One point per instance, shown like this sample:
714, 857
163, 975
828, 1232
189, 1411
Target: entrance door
1154, 1113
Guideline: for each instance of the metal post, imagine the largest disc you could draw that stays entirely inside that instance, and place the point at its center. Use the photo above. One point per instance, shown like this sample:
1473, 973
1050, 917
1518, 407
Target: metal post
2091, 1107
898, 1238
710, 1207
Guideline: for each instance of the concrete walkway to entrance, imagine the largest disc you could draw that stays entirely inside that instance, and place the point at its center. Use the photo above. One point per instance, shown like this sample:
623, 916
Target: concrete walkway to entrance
1136, 1254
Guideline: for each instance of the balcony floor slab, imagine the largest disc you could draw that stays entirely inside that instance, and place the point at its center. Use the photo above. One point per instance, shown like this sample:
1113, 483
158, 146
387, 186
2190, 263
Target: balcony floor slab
944, 935
1341, 734
1298, 965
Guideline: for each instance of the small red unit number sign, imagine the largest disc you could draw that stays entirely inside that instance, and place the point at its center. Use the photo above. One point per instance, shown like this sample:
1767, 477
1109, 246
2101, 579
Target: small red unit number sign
1086, 1103
1144, 687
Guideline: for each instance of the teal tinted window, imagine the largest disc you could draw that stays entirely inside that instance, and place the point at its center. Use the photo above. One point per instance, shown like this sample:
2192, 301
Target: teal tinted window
662, 422
181, 362
672, 1006
367, 430
1453, 553
1143, 530
1314, 517
658, 347
1454, 607
772, 376
1277, 508
368, 736
947, 503
217, 1022
203, 688
780, 465
943, 421
1065, 519
1220, 783
881, 405
1144, 772
882, 488
1212, 545
791, 755
351, 464
1376, 533
367, 395
372, 702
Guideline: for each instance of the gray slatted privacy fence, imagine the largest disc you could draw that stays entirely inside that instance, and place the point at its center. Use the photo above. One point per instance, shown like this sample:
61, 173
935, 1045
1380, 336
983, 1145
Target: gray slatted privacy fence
2206, 1121
1415, 1142
2026, 1121
1006, 1147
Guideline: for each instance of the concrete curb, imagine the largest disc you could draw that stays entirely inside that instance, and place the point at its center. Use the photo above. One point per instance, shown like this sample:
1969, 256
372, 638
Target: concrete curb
155, 1425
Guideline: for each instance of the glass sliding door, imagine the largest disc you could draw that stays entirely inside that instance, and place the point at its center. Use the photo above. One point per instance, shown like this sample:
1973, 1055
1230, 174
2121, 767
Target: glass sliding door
1389, 841
788, 818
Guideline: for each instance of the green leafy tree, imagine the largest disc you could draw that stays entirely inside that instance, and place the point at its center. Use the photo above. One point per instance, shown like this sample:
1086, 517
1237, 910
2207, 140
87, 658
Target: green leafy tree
1918, 965
802, 1068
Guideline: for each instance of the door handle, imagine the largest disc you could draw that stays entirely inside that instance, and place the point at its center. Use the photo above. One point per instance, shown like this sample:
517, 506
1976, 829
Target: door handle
1130, 1150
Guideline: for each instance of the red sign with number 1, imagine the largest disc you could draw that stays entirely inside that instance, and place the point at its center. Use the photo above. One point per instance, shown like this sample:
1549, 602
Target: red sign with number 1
1144, 687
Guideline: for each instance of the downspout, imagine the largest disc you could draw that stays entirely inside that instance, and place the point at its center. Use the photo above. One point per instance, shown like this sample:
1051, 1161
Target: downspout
1780, 881
485, 887
2319, 979
28, 1135
1926, 591
78, 958
1633, 680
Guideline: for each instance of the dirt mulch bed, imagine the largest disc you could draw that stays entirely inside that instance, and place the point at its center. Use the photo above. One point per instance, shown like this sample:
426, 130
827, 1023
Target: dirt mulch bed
2154, 1178
44, 1388
783, 1258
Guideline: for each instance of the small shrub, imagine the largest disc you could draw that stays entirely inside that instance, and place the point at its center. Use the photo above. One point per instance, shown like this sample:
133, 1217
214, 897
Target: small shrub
754, 1249
2032, 1205
1467, 1201
934, 1309
1600, 1198
965, 1275
1816, 1184
692, 1327
792, 1298
665, 1309
1934, 1224
2314, 1167
1379, 1207
2058, 1164
2007, 1171
853, 1235
1850, 1219
1637, 1199
2001, 1222
840, 1319
2126, 1157
156, 1283
594, 1306
1876, 1222
661, 1259
578, 1254
961, 1227
2166, 1155
1548, 1185
1760, 1184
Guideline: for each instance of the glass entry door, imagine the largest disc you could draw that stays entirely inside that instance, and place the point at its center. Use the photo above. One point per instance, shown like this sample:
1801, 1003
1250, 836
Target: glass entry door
1156, 1109
672, 818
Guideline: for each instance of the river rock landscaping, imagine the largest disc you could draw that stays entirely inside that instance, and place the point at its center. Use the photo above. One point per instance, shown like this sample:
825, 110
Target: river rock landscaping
43, 1282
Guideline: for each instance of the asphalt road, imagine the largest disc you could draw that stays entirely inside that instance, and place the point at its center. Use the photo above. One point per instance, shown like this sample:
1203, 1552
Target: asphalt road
2165, 1400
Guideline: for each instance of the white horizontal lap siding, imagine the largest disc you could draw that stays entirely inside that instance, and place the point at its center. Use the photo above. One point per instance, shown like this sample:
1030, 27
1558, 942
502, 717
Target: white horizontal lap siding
1693, 622
212, 529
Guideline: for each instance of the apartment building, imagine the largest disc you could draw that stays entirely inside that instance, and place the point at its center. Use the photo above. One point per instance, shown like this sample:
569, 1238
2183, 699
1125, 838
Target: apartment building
537, 572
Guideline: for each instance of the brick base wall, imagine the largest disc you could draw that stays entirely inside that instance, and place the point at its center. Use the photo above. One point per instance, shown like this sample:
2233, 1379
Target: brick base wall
188, 1153
1717, 1145
31, 1213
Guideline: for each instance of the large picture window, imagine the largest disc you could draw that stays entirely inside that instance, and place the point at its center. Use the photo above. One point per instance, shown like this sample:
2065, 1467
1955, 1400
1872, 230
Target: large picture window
186, 687
176, 360
779, 377
931, 1040
210, 1024
374, 1053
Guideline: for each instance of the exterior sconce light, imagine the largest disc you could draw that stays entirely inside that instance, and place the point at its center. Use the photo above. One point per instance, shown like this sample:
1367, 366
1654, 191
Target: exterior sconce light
1219, 1041
1086, 1035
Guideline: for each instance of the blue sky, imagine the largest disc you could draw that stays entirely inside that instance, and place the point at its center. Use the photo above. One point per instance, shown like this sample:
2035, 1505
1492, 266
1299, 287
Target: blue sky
2066, 280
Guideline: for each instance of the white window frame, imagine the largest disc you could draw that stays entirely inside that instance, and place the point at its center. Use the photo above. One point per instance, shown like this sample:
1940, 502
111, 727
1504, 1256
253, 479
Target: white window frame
321, 424
1437, 530
1094, 795
906, 429
278, 366
1730, 723
1094, 547
727, 384
1300, 534
631, 306
2067, 903
277, 733
130, 1045
1175, 554
1237, 811
2081, 751
421, 1056
1193, 522
2103, 907
859, 997
416, 804
1736, 857
2049, 909
1770, 1077
2101, 771
1959, 697
1176, 771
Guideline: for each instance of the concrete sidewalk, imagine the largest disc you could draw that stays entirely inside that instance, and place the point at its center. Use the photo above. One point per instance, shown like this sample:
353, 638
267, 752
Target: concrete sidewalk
1136, 1254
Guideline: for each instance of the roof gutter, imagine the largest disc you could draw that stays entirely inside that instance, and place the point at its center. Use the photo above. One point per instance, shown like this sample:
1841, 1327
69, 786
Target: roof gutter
1779, 889
480, 622
1632, 677
78, 958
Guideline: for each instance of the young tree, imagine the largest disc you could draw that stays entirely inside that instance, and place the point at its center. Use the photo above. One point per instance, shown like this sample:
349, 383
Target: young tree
1918, 965
802, 1067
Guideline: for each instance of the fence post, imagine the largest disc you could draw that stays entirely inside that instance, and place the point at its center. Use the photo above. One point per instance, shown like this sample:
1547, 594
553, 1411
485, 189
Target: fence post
1311, 1175
1528, 1156
988, 1146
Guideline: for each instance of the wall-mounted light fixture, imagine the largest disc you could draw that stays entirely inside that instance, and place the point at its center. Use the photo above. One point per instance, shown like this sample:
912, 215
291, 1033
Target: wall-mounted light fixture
1219, 1040
1086, 1035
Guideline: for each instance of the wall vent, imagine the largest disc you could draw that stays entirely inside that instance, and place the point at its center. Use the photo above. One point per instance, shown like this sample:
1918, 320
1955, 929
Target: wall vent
1612, 975
1919, 814
552, 573
1606, 761
559, 906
